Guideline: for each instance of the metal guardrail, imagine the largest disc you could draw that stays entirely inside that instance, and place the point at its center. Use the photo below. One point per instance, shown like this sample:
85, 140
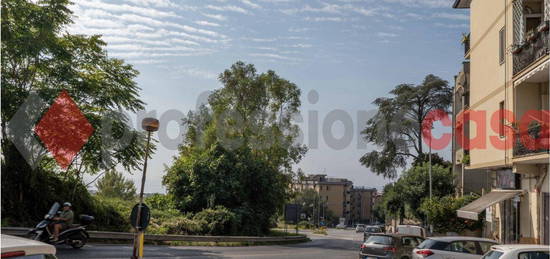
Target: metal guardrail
19, 231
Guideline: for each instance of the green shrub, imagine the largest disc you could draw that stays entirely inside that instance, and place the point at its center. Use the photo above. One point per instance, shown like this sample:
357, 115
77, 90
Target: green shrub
183, 225
305, 225
217, 221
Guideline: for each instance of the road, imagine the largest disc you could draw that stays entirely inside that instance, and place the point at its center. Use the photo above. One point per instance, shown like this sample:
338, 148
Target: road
337, 244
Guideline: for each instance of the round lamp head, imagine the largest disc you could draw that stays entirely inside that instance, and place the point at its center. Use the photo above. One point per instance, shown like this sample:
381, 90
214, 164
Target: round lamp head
150, 124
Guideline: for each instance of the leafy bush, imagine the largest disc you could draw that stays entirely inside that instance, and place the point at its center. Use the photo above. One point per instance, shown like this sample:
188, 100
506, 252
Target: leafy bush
217, 221
182, 225
442, 213
305, 225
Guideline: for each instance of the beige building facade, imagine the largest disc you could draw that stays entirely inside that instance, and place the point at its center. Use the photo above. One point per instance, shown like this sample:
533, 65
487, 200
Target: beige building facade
334, 193
362, 205
506, 120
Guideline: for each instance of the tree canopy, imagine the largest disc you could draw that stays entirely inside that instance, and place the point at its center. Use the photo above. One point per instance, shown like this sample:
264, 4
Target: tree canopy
114, 185
39, 56
397, 126
239, 149
403, 198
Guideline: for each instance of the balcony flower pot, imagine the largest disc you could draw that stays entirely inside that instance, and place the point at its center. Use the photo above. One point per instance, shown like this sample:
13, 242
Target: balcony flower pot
516, 49
531, 37
544, 26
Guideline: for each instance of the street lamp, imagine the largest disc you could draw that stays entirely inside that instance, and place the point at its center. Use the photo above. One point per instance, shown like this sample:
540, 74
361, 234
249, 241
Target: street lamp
150, 125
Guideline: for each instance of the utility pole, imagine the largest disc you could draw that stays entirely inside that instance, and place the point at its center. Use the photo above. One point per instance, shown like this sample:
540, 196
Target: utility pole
150, 125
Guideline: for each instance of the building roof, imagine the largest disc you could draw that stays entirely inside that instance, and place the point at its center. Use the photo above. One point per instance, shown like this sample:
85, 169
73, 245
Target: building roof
460, 4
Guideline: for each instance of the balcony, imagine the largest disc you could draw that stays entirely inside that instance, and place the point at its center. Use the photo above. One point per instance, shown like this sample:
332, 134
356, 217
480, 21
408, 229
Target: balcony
535, 47
535, 140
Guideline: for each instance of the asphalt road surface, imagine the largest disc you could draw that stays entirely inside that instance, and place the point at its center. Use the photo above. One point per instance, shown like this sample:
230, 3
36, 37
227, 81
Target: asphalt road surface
337, 244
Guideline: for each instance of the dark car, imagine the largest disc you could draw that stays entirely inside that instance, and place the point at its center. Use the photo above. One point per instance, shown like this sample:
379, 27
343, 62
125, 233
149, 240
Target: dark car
389, 246
369, 230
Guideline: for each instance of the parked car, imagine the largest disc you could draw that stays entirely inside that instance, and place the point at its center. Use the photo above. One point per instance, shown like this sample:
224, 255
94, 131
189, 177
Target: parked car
410, 230
360, 228
518, 252
369, 230
389, 246
22, 248
341, 226
453, 247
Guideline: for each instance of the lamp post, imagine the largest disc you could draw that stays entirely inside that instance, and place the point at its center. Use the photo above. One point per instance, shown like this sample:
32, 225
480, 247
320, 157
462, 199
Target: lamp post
150, 125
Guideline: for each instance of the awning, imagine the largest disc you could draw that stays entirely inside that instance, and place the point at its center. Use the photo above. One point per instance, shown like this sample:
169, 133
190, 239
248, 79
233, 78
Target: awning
541, 70
472, 210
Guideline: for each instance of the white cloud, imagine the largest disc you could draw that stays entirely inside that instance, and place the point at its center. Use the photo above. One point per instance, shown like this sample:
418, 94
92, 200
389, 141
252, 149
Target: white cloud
207, 23
271, 55
452, 16
386, 35
298, 29
182, 71
424, 3
251, 4
151, 12
218, 17
324, 19
300, 45
230, 8
260, 39
156, 3
452, 26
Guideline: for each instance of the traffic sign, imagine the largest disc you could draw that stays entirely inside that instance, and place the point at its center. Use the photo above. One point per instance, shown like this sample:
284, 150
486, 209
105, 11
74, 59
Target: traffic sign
144, 218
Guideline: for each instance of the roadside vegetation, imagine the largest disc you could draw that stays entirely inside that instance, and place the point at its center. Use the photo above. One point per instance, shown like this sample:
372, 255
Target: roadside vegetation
232, 173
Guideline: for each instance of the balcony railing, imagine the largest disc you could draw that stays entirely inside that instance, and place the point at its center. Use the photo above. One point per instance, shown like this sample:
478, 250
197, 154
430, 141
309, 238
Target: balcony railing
533, 47
535, 140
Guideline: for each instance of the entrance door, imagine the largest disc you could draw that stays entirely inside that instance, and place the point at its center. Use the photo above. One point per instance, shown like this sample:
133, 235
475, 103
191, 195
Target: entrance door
546, 217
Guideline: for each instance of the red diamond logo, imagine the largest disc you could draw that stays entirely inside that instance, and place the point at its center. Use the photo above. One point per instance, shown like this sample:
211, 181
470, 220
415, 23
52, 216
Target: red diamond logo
64, 130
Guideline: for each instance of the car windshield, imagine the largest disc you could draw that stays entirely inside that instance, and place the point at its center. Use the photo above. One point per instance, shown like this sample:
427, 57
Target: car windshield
492, 255
379, 240
372, 230
432, 244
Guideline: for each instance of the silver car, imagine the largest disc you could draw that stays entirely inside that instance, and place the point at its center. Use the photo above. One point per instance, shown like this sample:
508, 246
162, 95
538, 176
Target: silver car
389, 246
453, 247
518, 252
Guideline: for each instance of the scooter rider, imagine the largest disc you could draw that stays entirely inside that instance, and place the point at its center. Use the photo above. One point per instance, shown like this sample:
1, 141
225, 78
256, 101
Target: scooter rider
64, 220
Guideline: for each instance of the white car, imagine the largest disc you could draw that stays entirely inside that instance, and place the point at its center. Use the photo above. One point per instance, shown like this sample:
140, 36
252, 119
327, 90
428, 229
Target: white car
518, 252
22, 248
453, 247
410, 230
360, 228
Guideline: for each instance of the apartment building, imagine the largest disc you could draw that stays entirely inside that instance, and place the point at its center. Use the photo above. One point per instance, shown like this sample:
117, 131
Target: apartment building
467, 181
362, 204
334, 193
507, 134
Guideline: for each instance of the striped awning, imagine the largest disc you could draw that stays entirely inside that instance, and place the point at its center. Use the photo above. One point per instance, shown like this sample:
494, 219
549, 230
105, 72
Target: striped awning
539, 68
472, 210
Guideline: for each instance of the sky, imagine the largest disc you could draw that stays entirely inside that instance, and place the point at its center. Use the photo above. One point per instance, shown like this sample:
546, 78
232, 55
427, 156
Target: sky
342, 54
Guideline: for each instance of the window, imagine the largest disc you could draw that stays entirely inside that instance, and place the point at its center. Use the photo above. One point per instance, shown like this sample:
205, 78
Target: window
379, 240
493, 255
501, 45
485, 247
501, 119
534, 255
327, 188
410, 241
468, 247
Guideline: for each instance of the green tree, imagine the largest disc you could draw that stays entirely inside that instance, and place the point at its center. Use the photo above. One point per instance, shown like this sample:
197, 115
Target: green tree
114, 185
442, 214
397, 126
40, 56
404, 197
239, 149
308, 199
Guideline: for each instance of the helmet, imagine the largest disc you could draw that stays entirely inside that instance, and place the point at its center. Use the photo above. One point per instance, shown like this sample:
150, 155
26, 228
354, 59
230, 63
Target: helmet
67, 204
